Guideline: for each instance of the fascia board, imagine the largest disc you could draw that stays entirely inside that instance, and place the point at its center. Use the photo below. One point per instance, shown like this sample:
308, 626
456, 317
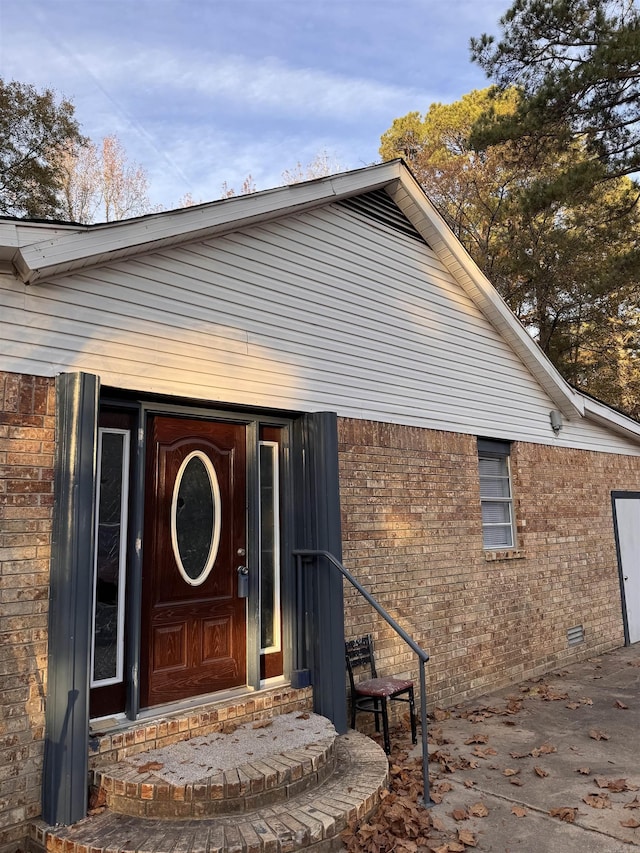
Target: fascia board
9, 240
616, 421
102, 244
416, 206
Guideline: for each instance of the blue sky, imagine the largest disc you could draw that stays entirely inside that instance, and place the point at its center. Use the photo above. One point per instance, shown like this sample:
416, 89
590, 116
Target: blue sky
206, 91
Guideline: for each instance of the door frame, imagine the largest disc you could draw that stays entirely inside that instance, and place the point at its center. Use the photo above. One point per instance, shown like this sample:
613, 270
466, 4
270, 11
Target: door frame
252, 422
619, 495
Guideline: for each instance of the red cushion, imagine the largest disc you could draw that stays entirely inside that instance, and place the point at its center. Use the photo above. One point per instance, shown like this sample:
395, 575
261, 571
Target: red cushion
382, 686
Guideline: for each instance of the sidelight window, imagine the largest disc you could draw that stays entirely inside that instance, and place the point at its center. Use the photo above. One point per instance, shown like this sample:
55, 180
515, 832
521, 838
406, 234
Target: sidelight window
107, 648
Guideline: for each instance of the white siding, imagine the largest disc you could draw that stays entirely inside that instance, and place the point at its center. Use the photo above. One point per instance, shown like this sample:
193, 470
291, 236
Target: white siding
323, 310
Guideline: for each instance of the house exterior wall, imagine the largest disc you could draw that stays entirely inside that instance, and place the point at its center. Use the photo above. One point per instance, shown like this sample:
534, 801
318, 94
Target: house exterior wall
327, 310
27, 414
412, 535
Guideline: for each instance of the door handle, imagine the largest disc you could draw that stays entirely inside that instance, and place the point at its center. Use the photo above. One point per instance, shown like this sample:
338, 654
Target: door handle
243, 581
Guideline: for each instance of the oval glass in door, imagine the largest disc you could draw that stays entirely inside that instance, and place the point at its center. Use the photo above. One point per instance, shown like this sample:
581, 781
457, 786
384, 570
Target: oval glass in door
195, 518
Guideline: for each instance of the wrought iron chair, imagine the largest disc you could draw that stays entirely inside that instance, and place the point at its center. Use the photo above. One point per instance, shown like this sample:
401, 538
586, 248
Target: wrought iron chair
372, 693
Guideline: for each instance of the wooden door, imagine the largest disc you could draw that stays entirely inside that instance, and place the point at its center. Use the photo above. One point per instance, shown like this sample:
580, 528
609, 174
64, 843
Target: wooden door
193, 623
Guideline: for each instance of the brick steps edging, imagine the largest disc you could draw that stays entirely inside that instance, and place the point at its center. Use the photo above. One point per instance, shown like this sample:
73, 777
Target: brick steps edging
311, 820
272, 779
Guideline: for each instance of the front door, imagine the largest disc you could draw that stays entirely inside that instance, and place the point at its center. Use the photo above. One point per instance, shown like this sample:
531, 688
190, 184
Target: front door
193, 638
627, 518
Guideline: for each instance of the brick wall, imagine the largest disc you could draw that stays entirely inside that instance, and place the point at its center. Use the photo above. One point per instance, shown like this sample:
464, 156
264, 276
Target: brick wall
26, 496
412, 534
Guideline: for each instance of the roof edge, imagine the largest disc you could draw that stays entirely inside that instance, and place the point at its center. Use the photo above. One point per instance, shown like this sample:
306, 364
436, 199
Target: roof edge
411, 198
103, 243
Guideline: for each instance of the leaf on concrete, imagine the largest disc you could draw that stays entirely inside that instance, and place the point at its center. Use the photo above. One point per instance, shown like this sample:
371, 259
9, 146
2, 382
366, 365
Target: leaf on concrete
518, 811
565, 813
597, 801
619, 785
632, 804
539, 771
467, 838
484, 752
477, 739
572, 705
459, 814
632, 823
621, 705
509, 771
439, 715
469, 783
584, 770
516, 781
596, 734
478, 810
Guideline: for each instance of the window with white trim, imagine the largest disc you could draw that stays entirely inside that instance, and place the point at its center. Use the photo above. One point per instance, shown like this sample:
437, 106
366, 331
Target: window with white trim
496, 495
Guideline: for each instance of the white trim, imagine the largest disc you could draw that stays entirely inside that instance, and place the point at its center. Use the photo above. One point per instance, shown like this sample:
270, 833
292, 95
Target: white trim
277, 645
122, 557
216, 520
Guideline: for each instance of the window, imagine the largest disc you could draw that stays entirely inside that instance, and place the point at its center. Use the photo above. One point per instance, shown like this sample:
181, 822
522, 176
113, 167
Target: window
496, 498
269, 548
107, 649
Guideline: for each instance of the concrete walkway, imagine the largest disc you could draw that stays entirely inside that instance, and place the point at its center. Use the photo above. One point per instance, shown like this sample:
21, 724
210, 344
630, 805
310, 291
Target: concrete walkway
554, 761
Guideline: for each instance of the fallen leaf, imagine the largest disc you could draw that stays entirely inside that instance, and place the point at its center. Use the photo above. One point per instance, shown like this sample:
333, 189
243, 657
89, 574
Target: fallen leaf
518, 811
619, 704
477, 739
584, 770
150, 765
438, 824
478, 810
304, 716
229, 728
516, 781
632, 804
545, 749
597, 801
564, 813
508, 771
618, 785
483, 753
632, 823
596, 734
519, 754
439, 715
469, 783
572, 705
467, 837
541, 772
459, 814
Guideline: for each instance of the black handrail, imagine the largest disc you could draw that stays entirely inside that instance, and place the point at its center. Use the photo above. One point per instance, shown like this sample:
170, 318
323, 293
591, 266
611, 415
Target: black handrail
423, 657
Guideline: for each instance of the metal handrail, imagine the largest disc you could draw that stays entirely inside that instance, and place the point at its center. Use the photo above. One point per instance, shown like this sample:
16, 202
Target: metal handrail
423, 657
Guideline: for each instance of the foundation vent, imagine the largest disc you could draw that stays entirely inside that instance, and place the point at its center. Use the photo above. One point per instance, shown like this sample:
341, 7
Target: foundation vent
575, 636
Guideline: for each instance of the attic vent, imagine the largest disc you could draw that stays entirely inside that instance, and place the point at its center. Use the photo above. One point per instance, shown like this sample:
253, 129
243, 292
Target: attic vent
575, 636
381, 207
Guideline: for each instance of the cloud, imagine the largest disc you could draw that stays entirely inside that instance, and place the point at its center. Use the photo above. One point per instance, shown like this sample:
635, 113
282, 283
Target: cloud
266, 85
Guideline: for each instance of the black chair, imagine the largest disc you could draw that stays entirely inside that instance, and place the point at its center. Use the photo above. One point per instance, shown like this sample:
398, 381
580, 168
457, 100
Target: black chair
371, 694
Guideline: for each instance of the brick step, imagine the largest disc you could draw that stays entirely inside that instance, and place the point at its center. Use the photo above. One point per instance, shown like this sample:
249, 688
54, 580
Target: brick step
310, 820
128, 788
